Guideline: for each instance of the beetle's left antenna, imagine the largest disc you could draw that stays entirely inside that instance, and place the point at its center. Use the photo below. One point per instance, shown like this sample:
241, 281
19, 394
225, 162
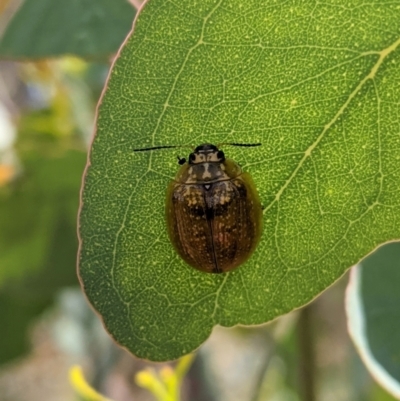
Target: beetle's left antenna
155, 147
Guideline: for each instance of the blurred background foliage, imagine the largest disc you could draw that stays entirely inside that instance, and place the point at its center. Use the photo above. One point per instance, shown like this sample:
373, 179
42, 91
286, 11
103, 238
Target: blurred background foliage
47, 108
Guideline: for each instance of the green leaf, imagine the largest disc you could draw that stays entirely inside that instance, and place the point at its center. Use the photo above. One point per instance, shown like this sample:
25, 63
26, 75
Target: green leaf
16, 315
38, 242
37, 220
373, 314
48, 28
317, 84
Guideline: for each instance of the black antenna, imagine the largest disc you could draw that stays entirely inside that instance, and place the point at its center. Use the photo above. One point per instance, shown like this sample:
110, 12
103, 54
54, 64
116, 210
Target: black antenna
183, 146
239, 144
156, 147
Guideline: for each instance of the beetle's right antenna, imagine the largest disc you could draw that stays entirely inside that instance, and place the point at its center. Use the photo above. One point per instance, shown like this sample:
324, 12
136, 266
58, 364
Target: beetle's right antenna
239, 144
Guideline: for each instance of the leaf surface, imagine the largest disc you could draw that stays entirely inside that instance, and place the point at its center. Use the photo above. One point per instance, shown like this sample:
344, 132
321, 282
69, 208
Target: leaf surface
317, 84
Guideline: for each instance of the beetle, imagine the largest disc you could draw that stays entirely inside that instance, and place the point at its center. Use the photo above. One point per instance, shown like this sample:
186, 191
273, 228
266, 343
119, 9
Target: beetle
213, 210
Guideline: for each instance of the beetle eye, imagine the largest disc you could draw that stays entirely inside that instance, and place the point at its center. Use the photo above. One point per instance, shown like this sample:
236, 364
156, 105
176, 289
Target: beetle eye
221, 155
192, 158
181, 161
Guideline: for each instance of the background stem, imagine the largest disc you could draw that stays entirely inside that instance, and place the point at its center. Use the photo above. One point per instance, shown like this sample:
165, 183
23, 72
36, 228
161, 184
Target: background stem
306, 354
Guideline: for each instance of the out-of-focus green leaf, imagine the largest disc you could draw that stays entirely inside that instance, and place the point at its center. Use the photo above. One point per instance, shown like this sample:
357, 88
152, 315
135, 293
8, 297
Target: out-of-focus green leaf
37, 218
38, 243
16, 313
373, 312
379, 394
318, 84
48, 28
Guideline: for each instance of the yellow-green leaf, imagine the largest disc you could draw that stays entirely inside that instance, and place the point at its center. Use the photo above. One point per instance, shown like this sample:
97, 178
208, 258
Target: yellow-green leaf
318, 84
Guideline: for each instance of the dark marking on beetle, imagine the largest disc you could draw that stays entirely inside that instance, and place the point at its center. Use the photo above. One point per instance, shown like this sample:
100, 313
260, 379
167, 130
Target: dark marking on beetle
197, 211
209, 213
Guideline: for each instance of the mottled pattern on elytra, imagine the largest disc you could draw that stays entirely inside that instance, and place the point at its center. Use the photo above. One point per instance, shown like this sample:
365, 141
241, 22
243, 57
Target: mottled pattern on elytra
214, 227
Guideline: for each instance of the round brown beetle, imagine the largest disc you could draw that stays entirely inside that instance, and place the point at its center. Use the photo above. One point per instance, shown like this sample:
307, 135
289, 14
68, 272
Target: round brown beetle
213, 211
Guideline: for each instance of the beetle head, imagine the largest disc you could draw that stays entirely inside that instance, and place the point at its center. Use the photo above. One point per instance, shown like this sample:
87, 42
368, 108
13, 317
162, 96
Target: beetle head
206, 153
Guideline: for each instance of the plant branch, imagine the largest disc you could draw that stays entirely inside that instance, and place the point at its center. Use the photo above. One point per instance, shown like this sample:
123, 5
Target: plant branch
306, 354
